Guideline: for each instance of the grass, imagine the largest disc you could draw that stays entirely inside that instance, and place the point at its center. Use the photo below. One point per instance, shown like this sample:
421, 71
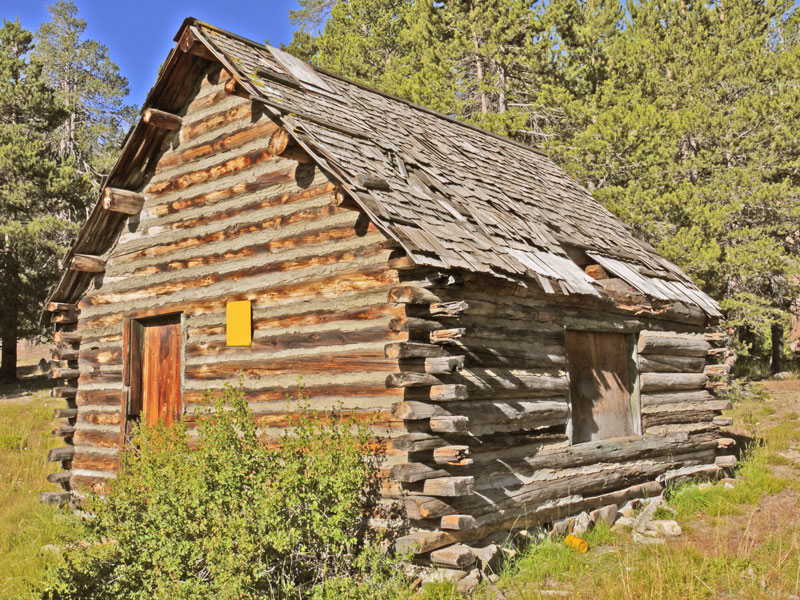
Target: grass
729, 548
25, 525
732, 546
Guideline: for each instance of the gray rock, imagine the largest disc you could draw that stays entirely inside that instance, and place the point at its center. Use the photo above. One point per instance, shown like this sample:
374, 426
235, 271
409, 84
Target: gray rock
605, 515
622, 523
643, 539
664, 528
489, 556
468, 583
582, 524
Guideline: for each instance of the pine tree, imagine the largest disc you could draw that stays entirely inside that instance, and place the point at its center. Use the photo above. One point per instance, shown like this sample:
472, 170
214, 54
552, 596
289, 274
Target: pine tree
88, 86
39, 198
690, 140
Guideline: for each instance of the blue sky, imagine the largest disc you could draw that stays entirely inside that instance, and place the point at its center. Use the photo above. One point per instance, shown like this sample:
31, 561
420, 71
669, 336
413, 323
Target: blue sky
139, 34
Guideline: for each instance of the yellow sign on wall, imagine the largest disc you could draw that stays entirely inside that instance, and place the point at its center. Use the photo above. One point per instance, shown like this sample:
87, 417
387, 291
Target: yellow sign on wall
239, 327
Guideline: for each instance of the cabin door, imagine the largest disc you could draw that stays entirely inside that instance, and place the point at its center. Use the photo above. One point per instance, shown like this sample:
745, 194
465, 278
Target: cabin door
154, 369
602, 377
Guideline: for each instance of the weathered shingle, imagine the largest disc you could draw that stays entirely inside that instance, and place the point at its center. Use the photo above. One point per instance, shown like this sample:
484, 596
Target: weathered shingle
490, 205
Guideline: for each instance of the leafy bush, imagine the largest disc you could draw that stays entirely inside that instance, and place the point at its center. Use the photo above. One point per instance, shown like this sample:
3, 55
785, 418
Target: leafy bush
227, 516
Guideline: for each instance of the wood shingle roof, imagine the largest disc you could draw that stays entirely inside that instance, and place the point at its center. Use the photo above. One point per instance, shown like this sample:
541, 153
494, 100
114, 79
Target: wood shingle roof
451, 194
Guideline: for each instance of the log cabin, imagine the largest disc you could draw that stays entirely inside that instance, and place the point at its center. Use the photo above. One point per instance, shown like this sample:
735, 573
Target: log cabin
520, 353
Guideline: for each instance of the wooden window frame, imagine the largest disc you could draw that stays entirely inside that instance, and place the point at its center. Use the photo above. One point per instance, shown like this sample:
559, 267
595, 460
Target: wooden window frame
632, 347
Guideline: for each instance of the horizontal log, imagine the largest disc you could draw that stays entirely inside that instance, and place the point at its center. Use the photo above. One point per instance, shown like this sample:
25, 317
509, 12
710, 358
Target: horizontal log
438, 393
456, 556
441, 365
510, 383
449, 424
692, 473
717, 370
486, 412
420, 508
596, 272
65, 413
715, 338
670, 363
446, 336
64, 430
61, 306
64, 317
421, 542
411, 472
64, 392
410, 379
69, 337
725, 462
449, 454
189, 43
54, 498
413, 350
457, 522
415, 411
715, 405
402, 263
665, 382
653, 343
65, 374
60, 477
59, 454
448, 486
507, 491
283, 145
122, 201
161, 119
448, 309
65, 354
87, 263
409, 294
676, 397
414, 325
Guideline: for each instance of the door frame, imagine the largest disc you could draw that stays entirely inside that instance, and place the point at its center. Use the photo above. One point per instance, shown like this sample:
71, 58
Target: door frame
132, 328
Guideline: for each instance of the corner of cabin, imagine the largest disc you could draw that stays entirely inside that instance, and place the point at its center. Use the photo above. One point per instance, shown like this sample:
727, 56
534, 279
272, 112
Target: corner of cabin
225, 220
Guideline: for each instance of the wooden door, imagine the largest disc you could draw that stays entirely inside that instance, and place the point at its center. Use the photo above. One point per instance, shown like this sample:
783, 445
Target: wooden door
154, 365
601, 385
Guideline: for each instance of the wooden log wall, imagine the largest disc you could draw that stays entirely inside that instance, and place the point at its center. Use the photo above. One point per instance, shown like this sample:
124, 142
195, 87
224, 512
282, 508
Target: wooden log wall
222, 219
487, 441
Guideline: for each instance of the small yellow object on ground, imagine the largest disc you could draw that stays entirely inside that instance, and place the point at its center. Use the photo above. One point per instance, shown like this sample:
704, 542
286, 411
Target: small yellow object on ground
576, 543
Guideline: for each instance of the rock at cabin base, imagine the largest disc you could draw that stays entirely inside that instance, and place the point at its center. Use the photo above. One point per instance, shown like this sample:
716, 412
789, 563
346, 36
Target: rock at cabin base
470, 582
582, 524
488, 556
666, 528
643, 539
605, 515
622, 523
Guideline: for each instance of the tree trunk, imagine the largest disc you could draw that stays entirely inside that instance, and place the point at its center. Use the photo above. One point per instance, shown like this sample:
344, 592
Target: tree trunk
776, 331
479, 72
8, 321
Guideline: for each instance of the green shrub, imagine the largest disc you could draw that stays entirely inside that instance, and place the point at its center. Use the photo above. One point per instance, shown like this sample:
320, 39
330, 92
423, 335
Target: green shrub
227, 516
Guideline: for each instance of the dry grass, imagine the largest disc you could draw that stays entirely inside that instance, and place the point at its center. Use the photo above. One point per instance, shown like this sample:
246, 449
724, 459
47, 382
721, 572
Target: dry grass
25, 525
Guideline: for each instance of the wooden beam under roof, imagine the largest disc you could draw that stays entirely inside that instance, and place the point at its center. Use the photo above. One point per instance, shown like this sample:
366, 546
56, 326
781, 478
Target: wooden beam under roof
122, 201
161, 118
87, 263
